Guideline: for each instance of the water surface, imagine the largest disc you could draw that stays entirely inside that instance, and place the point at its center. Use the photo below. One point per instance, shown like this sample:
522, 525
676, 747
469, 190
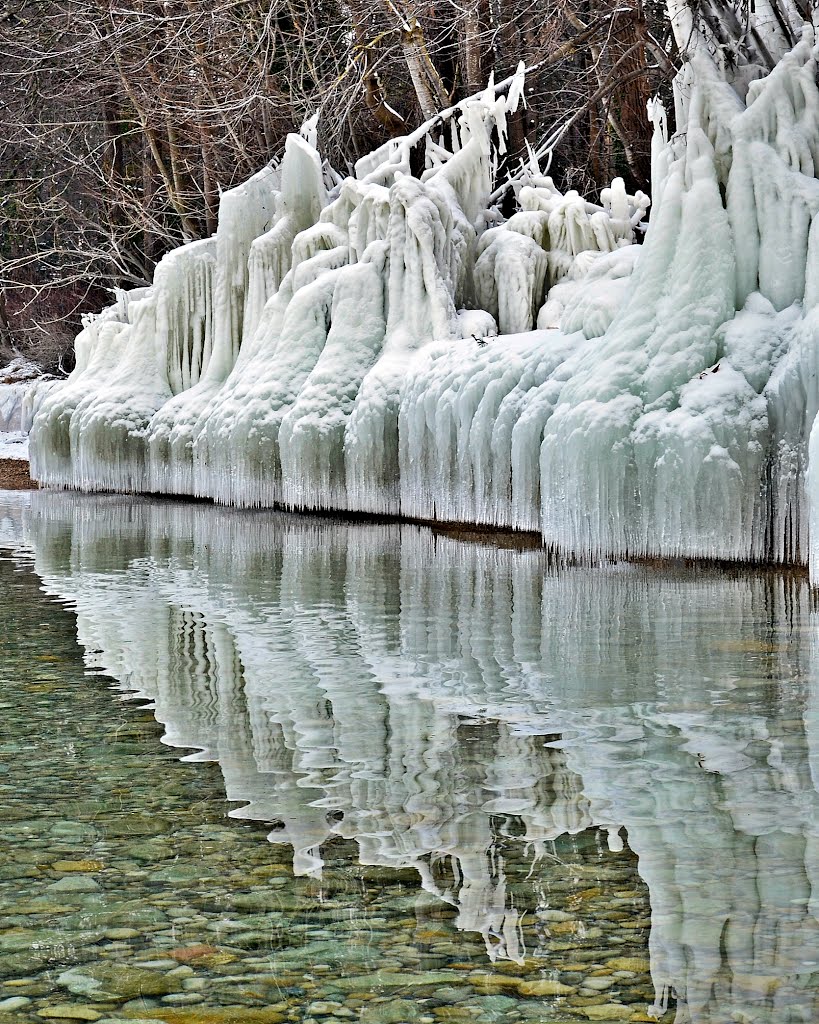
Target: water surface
423, 779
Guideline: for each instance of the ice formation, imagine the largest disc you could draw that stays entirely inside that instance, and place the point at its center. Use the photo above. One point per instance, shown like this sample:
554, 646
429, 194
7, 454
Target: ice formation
17, 380
205, 611
392, 343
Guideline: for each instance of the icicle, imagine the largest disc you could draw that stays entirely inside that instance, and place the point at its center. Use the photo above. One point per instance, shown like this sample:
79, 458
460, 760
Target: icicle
398, 346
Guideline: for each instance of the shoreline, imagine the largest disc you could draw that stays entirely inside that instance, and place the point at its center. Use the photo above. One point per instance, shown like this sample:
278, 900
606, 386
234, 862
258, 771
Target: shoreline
14, 476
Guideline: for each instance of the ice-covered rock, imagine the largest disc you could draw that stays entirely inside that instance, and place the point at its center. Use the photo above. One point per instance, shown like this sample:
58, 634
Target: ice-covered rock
395, 345
11, 407
19, 380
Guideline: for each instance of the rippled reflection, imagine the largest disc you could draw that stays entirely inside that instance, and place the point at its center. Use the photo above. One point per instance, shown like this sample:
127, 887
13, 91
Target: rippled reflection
426, 697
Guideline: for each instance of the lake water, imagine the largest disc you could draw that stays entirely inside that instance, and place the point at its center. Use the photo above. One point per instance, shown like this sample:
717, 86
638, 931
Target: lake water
263, 768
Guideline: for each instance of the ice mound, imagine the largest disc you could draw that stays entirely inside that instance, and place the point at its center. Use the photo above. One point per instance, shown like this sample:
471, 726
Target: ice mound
391, 343
18, 380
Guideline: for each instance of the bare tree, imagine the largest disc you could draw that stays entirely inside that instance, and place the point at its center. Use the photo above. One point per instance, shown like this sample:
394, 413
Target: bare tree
122, 120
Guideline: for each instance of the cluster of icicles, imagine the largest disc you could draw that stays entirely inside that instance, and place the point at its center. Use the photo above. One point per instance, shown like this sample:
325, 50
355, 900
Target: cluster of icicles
390, 344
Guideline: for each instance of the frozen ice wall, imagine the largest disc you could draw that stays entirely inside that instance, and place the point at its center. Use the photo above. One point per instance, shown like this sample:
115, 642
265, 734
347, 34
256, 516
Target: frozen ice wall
686, 432
18, 380
268, 364
395, 343
11, 407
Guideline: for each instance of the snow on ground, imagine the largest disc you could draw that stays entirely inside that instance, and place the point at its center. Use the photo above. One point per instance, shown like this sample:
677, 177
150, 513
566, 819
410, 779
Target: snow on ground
13, 445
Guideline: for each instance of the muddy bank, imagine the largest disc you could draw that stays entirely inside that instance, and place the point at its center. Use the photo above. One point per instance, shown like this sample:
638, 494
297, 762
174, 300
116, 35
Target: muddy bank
14, 475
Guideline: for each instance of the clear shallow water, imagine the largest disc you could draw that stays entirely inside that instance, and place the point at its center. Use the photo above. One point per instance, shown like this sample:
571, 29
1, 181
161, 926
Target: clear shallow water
493, 791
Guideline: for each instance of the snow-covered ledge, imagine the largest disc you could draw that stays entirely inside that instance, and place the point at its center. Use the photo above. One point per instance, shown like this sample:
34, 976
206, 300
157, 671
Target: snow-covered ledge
392, 344
16, 380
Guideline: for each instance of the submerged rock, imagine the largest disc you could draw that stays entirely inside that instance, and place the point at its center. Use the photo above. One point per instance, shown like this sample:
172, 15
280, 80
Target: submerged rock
75, 884
69, 1012
396, 1011
103, 982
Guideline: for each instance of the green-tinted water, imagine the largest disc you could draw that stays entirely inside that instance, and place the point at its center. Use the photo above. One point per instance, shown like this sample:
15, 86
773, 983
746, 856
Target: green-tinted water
493, 791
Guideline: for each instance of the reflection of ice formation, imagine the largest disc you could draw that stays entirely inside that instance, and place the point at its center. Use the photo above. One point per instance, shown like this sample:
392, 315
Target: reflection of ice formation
679, 705
11, 520
320, 351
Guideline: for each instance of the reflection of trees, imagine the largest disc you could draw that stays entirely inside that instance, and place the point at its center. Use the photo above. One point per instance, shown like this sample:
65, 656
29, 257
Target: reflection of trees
436, 701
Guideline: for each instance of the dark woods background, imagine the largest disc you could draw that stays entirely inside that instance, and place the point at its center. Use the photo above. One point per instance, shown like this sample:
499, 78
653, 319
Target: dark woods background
121, 120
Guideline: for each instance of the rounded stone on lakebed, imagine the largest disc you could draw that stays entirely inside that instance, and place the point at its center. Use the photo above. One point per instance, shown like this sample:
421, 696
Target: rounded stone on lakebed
69, 1012
102, 982
638, 964
14, 1003
544, 987
74, 884
84, 866
599, 984
236, 1014
608, 1011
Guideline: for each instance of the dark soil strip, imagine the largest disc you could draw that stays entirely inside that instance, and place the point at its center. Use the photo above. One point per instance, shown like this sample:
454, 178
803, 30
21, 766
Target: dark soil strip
14, 475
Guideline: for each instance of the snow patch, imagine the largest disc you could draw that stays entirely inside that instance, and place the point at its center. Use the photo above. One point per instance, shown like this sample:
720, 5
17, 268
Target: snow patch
13, 445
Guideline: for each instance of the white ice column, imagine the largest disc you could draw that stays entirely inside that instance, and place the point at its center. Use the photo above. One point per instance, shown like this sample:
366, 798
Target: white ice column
312, 433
